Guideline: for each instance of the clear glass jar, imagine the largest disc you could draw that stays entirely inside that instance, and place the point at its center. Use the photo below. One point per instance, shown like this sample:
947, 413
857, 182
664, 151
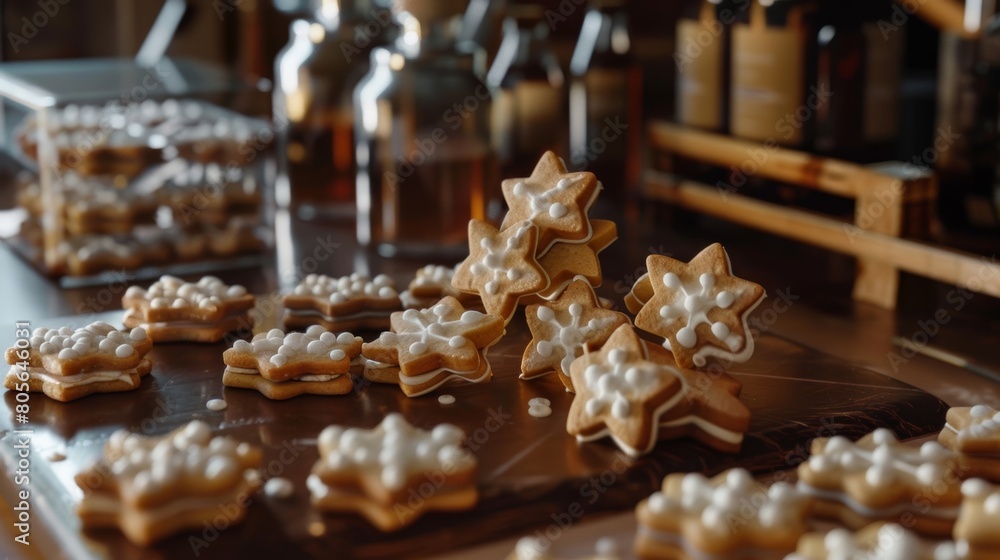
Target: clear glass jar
425, 164
605, 100
315, 75
529, 109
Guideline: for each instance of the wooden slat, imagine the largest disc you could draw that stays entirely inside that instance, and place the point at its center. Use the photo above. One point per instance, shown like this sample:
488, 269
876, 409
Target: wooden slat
951, 267
754, 158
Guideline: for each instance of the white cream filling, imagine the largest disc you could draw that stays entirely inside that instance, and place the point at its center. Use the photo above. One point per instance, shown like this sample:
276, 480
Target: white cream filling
653, 437
78, 379
187, 324
305, 377
938, 512
107, 505
713, 430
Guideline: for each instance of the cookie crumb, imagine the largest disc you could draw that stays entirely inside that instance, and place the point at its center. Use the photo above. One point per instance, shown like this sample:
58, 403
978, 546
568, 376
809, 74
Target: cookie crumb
446, 399
279, 488
216, 404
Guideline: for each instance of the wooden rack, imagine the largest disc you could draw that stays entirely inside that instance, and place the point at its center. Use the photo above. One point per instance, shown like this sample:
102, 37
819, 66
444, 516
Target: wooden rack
885, 196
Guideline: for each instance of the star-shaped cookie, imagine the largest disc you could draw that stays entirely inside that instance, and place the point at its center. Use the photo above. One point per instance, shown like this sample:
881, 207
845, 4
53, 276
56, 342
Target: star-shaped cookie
700, 308
442, 336
501, 266
564, 328
974, 432
553, 199
566, 261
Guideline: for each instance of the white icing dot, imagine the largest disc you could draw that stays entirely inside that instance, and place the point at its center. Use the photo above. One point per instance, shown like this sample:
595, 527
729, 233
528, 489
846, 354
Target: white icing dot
48, 347
979, 411
883, 436
315, 331
707, 280
671, 281
513, 275
686, 337
337, 355
279, 360
720, 330
724, 299
279, 488
137, 334
457, 341
446, 399
216, 404
558, 210
975, 488
316, 347
418, 348
124, 351
879, 475
276, 333
345, 338
242, 346
544, 349
68, 354
992, 504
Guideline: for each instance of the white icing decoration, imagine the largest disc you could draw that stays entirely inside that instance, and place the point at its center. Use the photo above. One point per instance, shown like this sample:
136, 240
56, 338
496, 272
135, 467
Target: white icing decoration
216, 405
887, 461
723, 498
95, 339
169, 291
279, 488
544, 202
494, 262
892, 542
446, 399
347, 288
692, 306
433, 329
394, 451
621, 385
189, 453
569, 336
278, 348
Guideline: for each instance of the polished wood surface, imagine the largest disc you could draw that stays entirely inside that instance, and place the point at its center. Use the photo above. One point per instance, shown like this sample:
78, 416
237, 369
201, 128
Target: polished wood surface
816, 348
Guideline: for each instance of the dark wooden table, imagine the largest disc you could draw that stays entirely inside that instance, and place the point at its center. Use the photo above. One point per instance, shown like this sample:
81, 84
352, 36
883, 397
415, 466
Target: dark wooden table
810, 330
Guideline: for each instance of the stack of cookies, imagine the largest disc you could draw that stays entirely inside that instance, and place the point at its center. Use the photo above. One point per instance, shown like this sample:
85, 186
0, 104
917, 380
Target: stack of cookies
282, 366
174, 310
153, 487
353, 302
427, 348
346, 479
546, 240
67, 364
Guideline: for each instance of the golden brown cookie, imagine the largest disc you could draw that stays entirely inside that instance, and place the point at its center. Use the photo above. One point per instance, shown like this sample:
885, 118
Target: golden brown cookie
540, 548
282, 366
153, 487
974, 432
566, 261
347, 303
564, 329
728, 516
172, 309
700, 308
878, 541
554, 200
433, 282
636, 397
878, 478
434, 346
976, 530
501, 266
344, 480
641, 292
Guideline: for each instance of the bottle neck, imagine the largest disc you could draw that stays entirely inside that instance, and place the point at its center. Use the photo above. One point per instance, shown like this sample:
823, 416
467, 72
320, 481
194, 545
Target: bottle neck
421, 38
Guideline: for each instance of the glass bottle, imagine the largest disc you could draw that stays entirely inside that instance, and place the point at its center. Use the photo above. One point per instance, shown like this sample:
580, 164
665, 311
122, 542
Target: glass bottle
425, 165
529, 109
773, 97
605, 103
315, 75
701, 55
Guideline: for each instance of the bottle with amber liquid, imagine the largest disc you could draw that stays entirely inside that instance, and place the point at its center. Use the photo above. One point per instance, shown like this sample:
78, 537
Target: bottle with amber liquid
425, 164
605, 101
529, 107
315, 75
774, 98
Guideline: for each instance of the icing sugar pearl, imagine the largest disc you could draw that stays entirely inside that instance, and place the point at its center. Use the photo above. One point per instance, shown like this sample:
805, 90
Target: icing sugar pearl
276, 333
457, 341
68, 354
216, 404
337, 355
686, 337
671, 280
107, 345
979, 411
724, 299
975, 488
279, 360
345, 338
316, 347
242, 346
315, 331
992, 504
124, 351
558, 210
446, 399
47, 348
418, 348
279, 488
137, 334
545, 314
